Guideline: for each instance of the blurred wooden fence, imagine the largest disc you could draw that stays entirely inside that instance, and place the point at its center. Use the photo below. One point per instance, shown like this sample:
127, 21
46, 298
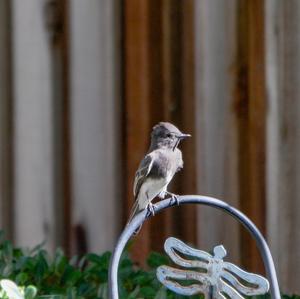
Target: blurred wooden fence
83, 82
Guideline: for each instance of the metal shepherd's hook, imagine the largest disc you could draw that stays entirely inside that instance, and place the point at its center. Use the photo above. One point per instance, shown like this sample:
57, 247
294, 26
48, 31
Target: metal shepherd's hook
194, 199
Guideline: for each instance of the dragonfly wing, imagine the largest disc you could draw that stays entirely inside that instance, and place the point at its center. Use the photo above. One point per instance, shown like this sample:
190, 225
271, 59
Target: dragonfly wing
174, 246
217, 293
223, 287
256, 284
171, 277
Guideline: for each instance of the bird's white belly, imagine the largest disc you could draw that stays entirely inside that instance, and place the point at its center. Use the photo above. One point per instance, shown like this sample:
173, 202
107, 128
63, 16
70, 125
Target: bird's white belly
150, 189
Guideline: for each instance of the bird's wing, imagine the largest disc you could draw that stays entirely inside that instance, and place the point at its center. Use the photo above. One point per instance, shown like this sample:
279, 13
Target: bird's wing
180, 162
141, 174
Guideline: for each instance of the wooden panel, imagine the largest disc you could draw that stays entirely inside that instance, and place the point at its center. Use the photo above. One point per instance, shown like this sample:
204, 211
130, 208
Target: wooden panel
188, 216
56, 18
154, 91
251, 114
94, 89
216, 127
66, 129
231, 121
283, 75
33, 144
137, 102
172, 87
6, 118
272, 123
160, 35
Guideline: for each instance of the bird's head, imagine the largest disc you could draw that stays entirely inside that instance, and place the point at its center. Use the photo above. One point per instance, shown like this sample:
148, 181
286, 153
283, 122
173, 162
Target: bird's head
165, 134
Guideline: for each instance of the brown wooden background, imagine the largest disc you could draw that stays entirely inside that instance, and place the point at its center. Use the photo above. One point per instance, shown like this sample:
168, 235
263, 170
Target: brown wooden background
159, 37
83, 82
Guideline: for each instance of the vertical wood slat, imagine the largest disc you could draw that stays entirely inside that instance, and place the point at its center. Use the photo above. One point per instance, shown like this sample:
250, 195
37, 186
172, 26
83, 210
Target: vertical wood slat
161, 83
66, 130
251, 115
94, 87
177, 97
6, 118
56, 15
33, 160
179, 101
62, 116
283, 144
137, 110
187, 229
216, 130
167, 31
154, 92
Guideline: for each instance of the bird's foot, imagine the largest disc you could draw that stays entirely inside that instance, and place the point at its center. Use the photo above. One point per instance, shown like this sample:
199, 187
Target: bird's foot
150, 209
162, 194
174, 198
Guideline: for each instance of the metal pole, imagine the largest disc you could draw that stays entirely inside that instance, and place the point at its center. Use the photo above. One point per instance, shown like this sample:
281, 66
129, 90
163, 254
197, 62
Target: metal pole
204, 200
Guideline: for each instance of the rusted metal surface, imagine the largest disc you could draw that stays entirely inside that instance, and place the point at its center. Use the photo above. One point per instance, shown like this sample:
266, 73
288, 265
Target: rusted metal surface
213, 277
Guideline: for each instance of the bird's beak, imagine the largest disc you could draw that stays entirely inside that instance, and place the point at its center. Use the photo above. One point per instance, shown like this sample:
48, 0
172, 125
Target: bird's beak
179, 138
183, 136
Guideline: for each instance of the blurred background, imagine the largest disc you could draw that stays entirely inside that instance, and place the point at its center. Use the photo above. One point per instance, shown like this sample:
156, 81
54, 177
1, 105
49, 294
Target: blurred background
83, 82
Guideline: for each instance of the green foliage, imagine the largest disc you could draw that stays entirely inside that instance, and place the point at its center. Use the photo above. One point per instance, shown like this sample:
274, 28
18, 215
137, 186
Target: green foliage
58, 277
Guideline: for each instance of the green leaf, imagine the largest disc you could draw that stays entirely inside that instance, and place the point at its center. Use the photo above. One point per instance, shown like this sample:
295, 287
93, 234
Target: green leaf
143, 278
101, 260
7, 270
37, 248
161, 294
51, 297
71, 276
2, 237
41, 267
147, 292
60, 262
21, 278
7, 251
94, 258
134, 293
71, 293
30, 292
103, 291
156, 259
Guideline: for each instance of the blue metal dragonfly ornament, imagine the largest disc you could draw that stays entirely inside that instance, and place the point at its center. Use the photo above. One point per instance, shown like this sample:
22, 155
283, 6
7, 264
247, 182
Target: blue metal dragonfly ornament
209, 274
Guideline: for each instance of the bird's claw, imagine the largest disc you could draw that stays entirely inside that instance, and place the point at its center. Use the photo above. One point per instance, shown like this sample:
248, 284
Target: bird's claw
174, 198
150, 210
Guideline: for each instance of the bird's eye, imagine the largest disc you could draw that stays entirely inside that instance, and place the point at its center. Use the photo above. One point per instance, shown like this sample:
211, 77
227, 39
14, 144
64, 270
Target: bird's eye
169, 135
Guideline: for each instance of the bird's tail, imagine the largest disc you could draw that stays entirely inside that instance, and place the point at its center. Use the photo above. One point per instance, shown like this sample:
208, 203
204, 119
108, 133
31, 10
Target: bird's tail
134, 211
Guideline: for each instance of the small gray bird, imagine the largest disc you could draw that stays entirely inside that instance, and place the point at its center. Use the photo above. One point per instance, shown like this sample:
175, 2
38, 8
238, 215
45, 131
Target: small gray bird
158, 167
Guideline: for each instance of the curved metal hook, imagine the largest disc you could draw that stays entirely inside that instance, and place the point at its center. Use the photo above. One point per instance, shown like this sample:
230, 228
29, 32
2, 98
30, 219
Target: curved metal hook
204, 200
